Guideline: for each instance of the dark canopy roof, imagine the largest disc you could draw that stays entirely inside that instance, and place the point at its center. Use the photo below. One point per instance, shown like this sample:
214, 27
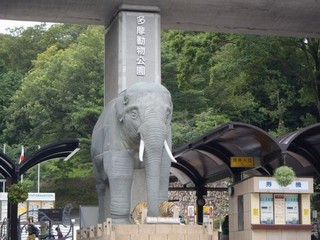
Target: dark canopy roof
207, 159
302, 150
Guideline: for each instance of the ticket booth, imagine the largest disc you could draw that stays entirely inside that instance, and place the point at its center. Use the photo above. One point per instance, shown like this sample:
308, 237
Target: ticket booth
260, 209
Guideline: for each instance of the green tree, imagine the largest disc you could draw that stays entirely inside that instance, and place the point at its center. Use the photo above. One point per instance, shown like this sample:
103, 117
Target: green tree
20, 48
62, 96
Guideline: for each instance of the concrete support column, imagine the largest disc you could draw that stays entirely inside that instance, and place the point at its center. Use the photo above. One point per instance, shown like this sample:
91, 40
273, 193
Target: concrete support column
132, 49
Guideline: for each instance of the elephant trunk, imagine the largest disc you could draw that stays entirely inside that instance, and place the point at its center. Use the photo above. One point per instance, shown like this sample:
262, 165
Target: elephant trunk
153, 149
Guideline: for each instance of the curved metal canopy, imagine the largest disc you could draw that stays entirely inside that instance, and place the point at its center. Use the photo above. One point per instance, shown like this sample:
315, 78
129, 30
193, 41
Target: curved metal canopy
302, 151
207, 159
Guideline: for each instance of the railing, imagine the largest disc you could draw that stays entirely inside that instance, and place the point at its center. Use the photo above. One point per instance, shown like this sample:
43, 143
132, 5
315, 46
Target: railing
66, 225
4, 229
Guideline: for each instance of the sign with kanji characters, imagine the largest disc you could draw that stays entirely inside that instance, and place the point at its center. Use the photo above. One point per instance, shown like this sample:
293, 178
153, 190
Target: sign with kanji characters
244, 162
273, 185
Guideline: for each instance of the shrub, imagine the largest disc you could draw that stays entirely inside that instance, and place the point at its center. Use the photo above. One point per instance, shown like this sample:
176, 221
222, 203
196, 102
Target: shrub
284, 175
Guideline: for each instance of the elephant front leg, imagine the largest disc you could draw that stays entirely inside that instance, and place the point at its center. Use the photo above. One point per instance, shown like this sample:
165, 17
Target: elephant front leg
120, 175
103, 198
120, 191
102, 186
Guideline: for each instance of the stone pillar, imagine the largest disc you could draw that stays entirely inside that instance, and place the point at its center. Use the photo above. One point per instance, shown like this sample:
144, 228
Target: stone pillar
132, 49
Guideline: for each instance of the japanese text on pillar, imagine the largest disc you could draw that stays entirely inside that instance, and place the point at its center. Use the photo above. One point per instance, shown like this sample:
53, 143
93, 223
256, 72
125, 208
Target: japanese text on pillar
140, 44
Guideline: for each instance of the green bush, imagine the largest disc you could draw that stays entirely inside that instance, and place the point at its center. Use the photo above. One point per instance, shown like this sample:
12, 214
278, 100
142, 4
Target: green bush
284, 175
18, 193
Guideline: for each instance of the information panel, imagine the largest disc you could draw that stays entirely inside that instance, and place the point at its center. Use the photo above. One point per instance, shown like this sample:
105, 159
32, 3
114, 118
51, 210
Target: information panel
266, 209
292, 208
279, 209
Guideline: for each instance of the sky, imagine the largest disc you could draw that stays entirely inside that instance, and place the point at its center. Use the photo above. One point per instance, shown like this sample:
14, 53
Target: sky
4, 24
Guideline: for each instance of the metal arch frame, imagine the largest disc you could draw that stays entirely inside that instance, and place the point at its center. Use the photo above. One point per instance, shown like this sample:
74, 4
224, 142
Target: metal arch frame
295, 142
13, 171
199, 183
66, 220
307, 154
56, 150
297, 134
222, 153
7, 166
210, 143
189, 171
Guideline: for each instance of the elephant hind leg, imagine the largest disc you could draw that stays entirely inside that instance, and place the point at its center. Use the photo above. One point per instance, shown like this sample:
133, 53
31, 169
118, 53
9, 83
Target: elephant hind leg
102, 187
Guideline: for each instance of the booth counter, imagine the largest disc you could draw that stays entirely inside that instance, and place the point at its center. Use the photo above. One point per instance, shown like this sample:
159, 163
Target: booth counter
260, 209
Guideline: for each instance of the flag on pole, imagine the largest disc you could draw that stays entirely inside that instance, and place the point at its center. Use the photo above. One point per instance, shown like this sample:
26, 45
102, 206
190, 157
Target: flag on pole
22, 155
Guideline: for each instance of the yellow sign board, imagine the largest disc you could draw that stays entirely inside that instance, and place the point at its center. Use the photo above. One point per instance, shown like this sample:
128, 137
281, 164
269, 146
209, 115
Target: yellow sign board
243, 162
255, 212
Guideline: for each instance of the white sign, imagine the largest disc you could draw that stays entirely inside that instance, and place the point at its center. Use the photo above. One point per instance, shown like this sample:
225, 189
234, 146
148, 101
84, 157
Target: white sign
279, 209
41, 197
3, 196
273, 185
140, 46
32, 196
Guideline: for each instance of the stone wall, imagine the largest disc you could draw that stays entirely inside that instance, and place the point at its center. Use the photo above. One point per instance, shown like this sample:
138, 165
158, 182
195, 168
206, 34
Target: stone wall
217, 199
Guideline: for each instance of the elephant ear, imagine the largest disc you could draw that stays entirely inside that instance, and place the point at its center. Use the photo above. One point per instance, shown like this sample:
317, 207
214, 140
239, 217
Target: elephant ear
122, 100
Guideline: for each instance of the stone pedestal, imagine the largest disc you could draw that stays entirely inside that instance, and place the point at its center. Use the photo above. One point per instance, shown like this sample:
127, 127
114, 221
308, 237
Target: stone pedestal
153, 232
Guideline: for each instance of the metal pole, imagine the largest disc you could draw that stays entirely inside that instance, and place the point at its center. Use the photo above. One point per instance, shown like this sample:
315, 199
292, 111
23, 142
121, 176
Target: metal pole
38, 177
13, 208
38, 174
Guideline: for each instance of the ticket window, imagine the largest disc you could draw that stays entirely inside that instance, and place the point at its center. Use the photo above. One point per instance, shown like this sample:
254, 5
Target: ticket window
279, 209
266, 209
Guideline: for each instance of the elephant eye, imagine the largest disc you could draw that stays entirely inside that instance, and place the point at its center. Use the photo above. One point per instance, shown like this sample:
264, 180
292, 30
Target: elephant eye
168, 116
168, 112
134, 113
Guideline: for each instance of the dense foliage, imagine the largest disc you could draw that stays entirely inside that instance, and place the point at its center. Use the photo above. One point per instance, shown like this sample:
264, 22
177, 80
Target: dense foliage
52, 86
18, 193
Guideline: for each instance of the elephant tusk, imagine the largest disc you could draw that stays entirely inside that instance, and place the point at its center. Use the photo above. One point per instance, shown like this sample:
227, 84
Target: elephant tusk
169, 151
141, 149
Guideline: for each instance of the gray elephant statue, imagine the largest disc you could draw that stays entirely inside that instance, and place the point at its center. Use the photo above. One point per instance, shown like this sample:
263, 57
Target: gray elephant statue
133, 132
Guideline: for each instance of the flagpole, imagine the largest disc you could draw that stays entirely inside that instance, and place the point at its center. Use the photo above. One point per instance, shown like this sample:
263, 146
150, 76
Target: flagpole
38, 174
21, 159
